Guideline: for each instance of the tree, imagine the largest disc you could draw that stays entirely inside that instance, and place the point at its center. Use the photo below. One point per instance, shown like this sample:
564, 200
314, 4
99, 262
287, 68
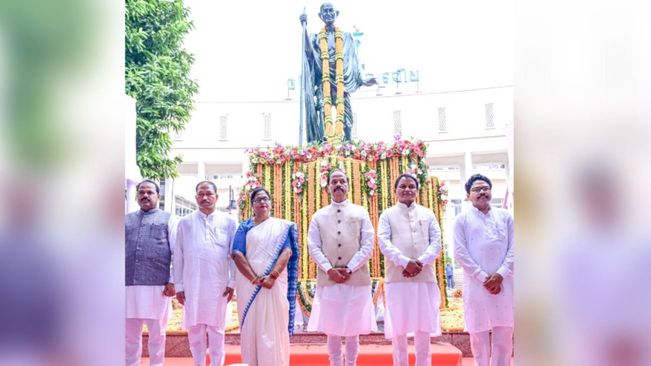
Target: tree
157, 76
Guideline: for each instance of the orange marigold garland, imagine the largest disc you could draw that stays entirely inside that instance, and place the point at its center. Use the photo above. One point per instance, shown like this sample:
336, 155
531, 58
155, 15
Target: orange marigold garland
334, 131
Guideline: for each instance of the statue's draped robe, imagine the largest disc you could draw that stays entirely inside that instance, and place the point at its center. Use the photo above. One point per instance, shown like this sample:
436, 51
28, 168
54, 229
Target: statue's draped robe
313, 97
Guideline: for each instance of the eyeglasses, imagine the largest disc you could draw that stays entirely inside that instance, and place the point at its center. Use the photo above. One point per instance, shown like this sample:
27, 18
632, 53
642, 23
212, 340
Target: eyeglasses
481, 189
261, 200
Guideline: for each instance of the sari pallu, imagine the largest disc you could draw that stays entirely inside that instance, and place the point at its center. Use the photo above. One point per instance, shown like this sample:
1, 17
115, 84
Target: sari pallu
266, 315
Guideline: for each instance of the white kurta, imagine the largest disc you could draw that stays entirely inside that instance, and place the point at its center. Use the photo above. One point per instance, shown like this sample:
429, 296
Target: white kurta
203, 267
411, 306
341, 309
148, 302
265, 334
483, 244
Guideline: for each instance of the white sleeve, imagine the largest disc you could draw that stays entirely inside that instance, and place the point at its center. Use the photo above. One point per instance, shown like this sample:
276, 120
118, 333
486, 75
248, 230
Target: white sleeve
366, 245
461, 254
506, 269
231, 263
178, 258
390, 251
171, 239
315, 246
434, 248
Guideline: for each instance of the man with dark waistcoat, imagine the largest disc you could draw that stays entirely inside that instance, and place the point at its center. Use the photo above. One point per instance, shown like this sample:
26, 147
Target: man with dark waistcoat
149, 284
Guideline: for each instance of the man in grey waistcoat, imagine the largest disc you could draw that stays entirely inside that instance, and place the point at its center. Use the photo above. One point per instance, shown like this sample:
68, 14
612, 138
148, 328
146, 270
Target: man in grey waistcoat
149, 283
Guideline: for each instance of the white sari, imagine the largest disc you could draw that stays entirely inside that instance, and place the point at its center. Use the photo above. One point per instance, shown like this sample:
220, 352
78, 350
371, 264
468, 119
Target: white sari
264, 334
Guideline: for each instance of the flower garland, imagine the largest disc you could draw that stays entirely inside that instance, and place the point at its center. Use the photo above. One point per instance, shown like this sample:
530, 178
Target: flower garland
252, 182
334, 132
324, 171
370, 177
294, 175
443, 194
412, 149
298, 182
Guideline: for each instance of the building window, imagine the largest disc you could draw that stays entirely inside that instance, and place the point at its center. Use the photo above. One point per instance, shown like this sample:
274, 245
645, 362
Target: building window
443, 124
223, 128
266, 126
490, 116
161, 194
397, 123
456, 206
353, 131
497, 202
183, 206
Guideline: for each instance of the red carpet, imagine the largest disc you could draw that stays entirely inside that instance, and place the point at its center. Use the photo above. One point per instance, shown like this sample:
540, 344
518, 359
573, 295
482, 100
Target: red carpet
443, 354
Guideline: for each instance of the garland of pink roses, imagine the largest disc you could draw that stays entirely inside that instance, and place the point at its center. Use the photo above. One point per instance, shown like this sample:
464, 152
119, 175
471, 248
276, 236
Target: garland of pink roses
252, 182
278, 154
370, 176
298, 182
324, 172
443, 194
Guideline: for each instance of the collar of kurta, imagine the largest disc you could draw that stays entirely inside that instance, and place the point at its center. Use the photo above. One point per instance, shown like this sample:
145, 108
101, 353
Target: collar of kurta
206, 217
343, 203
476, 211
402, 206
153, 210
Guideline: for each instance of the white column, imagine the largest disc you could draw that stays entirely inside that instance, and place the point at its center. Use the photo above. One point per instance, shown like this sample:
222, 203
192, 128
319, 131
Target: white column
131, 204
467, 166
467, 172
169, 195
510, 176
201, 171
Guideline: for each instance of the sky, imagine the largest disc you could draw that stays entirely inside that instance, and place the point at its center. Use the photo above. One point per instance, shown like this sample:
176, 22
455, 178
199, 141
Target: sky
246, 50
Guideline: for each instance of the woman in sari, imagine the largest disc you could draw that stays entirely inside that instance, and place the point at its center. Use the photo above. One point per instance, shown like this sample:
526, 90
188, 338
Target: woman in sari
266, 294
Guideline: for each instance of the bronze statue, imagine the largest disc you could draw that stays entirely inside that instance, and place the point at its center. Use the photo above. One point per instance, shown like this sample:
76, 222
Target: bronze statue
330, 73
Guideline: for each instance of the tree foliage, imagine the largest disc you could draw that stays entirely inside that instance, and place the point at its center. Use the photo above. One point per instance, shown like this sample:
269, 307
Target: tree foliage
157, 76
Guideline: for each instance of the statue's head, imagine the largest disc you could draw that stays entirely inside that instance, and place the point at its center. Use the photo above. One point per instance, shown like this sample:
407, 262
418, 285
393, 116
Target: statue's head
328, 14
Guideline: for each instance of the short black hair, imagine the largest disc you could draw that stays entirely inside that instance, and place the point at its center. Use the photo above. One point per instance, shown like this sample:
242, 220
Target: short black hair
214, 186
256, 191
395, 185
150, 182
475, 178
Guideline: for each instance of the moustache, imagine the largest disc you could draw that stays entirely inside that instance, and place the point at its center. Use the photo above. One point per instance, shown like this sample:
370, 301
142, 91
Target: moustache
144, 199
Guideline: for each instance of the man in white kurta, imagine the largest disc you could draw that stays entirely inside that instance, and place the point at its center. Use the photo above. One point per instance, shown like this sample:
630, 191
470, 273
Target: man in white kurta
483, 246
340, 240
410, 239
204, 274
149, 238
